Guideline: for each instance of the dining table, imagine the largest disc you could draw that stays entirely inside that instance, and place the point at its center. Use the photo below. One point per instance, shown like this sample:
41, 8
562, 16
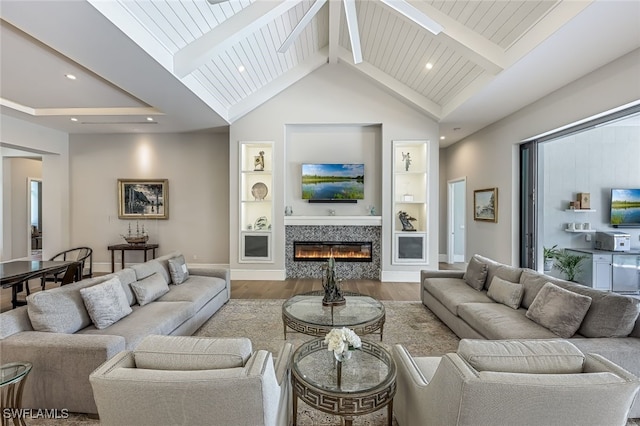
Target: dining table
16, 274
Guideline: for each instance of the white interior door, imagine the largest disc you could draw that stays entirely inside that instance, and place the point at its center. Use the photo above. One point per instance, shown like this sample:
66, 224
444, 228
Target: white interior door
457, 189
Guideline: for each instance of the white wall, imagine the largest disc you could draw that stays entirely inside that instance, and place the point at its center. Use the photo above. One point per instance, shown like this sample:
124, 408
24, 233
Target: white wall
52, 146
489, 157
593, 161
332, 95
196, 166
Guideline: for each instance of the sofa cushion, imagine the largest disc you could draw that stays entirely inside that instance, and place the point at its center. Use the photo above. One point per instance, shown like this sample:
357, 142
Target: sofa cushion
522, 356
155, 318
559, 310
144, 270
533, 281
191, 353
495, 321
149, 289
199, 291
476, 274
610, 314
58, 310
506, 272
178, 270
452, 292
509, 294
106, 302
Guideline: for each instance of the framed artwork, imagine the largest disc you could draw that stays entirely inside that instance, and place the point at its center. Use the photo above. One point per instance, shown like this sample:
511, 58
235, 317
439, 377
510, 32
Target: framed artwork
143, 198
485, 205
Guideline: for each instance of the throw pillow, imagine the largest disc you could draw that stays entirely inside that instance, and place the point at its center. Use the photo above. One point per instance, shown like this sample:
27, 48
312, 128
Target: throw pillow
191, 353
58, 310
106, 302
505, 292
178, 270
559, 310
149, 289
522, 356
476, 274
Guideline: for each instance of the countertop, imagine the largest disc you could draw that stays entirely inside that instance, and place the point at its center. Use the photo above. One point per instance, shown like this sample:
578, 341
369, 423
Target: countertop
596, 251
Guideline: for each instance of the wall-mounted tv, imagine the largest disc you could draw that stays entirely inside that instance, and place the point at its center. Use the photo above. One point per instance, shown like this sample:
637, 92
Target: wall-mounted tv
333, 182
625, 207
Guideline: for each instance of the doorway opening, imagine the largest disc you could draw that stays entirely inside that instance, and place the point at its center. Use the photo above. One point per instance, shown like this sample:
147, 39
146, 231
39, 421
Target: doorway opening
34, 219
456, 224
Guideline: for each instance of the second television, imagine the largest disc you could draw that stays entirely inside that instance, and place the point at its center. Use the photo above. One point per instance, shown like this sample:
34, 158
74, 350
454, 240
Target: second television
333, 182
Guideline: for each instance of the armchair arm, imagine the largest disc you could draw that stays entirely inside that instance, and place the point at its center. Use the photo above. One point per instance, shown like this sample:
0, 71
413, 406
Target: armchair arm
407, 367
283, 362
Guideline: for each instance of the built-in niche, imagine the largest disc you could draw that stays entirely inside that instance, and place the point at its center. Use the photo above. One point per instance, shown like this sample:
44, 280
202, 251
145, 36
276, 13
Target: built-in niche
333, 143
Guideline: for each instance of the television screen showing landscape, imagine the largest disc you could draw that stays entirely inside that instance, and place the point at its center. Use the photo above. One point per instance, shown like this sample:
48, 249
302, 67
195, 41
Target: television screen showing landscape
625, 206
333, 181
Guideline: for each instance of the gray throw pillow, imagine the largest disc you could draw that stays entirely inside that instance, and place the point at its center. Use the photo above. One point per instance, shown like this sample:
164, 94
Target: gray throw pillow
106, 302
178, 270
559, 310
505, 292
150, 288
476, 274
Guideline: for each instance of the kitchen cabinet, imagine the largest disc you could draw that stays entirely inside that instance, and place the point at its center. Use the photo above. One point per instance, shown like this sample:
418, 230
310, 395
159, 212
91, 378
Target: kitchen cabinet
595, 270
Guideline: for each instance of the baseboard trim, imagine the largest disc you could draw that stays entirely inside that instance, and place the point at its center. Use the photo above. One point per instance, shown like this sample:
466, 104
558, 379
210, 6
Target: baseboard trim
258, 275
400, 276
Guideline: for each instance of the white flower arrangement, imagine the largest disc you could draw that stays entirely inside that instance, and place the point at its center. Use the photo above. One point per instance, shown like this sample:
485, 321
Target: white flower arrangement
342, 339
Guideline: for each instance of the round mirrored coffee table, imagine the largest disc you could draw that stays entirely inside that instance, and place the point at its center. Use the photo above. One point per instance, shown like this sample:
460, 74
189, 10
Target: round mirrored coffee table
305, 314
368, 380
12, 379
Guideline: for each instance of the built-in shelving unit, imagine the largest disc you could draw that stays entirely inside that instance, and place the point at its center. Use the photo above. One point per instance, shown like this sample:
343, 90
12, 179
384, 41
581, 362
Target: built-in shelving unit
256, 206
580, 210
580, 231
410, 195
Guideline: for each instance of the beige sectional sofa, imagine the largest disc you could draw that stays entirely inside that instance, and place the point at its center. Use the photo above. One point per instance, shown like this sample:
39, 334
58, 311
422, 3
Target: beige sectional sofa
610, 327
56, 333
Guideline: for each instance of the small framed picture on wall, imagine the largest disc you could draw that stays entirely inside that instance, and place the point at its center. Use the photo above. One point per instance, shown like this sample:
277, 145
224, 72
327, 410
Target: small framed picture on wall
143, 198
485, 205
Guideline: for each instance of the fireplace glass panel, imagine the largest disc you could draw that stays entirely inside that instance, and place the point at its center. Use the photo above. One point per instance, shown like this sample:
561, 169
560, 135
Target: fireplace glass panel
342, 251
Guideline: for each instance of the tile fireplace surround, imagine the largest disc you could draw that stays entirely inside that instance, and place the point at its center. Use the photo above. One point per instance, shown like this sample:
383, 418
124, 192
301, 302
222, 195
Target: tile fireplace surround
333, 229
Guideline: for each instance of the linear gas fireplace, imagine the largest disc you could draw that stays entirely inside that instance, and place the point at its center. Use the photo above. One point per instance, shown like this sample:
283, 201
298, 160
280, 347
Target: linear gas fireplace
310, 251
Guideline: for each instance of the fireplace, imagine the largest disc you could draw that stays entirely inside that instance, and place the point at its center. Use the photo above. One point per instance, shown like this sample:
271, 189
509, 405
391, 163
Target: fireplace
318, 251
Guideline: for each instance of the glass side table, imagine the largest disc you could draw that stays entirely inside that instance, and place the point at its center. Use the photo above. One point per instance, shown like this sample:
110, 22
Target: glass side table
12, 378
368, 380
305, 314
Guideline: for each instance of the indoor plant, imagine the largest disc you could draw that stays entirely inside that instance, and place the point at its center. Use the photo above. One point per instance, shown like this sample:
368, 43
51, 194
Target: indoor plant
549, 255
568, 264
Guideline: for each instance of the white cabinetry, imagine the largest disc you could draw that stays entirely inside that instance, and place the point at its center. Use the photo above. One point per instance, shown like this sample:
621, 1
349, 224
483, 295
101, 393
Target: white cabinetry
596, 271
256, 206
410, 195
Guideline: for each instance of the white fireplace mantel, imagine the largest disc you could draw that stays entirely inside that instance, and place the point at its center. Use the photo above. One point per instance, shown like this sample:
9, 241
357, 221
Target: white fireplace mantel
333, 220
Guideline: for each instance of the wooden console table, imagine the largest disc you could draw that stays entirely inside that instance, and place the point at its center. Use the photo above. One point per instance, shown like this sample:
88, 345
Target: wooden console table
134, 247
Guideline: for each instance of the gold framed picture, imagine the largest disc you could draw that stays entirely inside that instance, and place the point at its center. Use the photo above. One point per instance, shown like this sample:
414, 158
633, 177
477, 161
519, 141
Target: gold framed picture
143, 198
485, 205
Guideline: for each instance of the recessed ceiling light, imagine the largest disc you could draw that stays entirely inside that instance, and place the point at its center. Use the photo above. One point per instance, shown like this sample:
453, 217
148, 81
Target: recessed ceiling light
429, 65
241, 68
70, 76
74, 119
149, 119
442, 138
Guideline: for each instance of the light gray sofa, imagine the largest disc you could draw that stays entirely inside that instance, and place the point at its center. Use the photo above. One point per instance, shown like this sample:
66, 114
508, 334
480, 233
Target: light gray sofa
611, 326
64, 356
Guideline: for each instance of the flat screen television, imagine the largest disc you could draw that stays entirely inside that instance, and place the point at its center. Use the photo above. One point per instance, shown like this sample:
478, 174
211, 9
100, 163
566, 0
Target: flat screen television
625, 207
333, 182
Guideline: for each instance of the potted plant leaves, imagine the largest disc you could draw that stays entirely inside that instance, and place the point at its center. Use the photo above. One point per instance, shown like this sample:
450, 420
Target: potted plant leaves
549, 256
569, 264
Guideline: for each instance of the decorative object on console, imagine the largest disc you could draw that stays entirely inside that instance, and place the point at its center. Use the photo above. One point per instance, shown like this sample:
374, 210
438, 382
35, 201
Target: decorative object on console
485, 205
261, 223
332, 292
406, 220
407, 160
258, 164
143, 198
259, 191
140, 237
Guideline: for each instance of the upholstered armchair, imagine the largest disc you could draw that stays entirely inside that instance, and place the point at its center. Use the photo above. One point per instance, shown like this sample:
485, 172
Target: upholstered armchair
541, 382
173, 380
